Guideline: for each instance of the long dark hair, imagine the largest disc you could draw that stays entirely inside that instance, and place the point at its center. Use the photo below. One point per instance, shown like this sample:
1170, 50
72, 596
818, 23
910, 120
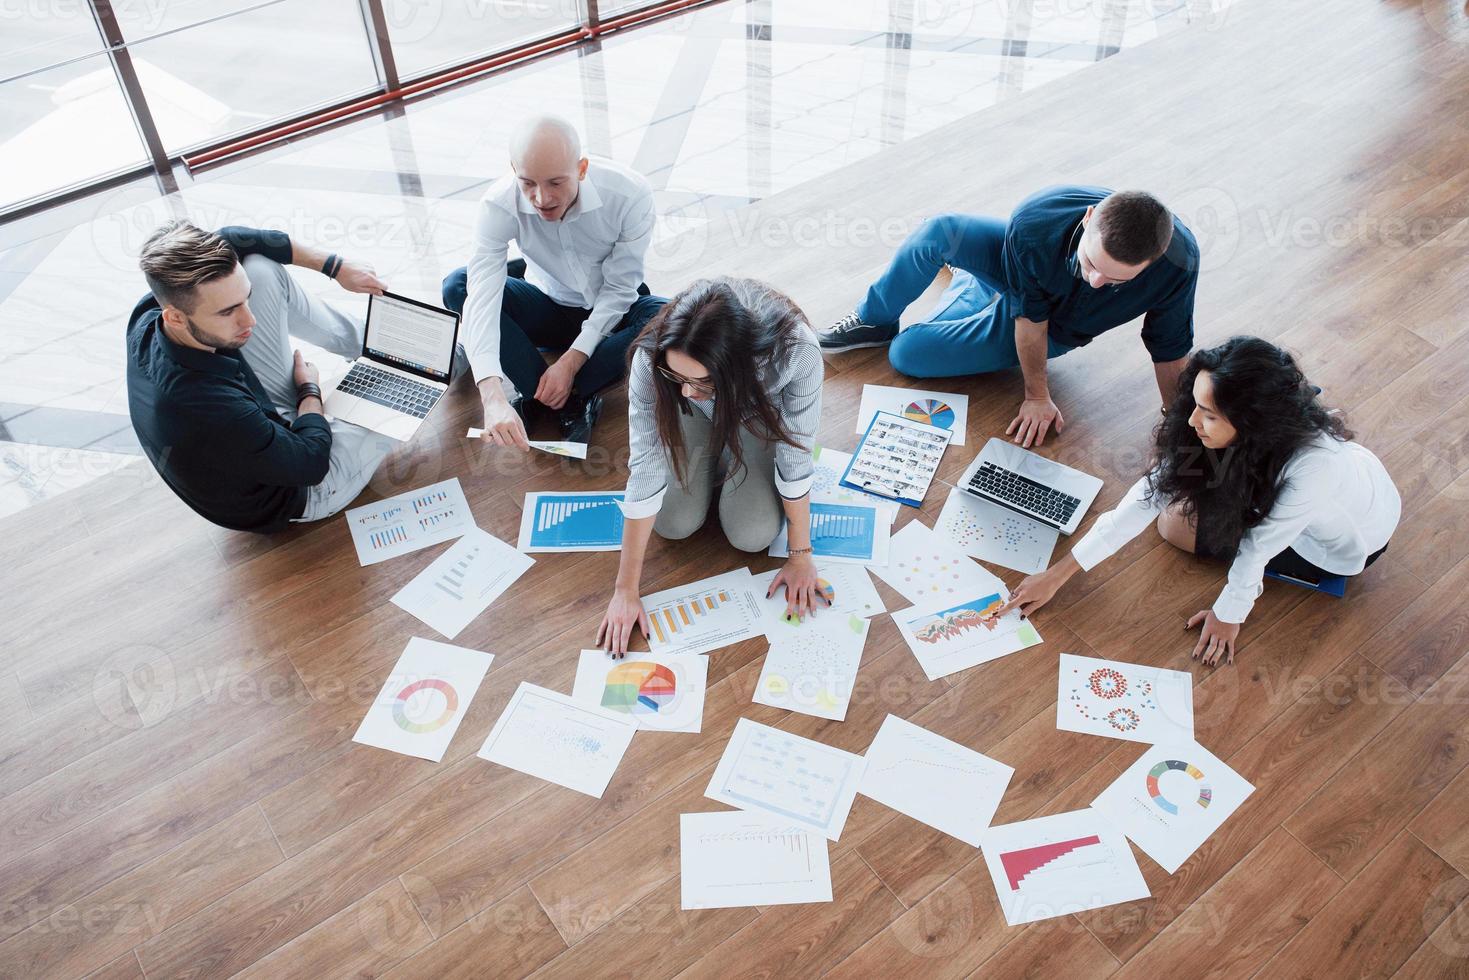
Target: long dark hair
1275, 411
735, 328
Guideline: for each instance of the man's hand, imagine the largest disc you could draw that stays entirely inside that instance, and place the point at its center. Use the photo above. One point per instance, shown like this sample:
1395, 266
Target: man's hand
303, 371
555, 386
503, 426
1034, 420
359, 278
1216, 639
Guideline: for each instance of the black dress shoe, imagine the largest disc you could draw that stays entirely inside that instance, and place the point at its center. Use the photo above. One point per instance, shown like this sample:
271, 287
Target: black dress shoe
577, 416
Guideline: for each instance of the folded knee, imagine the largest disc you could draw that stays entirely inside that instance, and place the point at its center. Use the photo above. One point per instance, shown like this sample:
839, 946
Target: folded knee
750, 532
907, 356
455, 289
675, 525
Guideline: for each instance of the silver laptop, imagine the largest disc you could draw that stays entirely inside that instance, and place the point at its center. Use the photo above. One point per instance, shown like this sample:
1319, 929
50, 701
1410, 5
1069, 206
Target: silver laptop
407, 354
1027, 483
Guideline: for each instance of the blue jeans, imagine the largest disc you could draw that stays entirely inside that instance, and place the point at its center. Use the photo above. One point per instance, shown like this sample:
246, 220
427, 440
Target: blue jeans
972, 329
531, 320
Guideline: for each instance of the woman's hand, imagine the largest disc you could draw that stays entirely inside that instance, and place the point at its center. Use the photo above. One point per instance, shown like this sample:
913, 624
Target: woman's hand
1033, 592
803, 588
1216, 639
623, 613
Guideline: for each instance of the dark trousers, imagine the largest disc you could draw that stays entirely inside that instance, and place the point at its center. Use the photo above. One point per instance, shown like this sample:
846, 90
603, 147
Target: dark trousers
531, 320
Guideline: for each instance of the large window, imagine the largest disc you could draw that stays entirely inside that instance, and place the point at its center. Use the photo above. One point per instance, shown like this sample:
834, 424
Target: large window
429, 34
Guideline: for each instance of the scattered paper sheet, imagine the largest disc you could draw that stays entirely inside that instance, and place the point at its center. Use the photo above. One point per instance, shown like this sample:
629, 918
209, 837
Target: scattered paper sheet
575, 450
791, 777
1172, 799
659, 692
423, 700
461, 583
851, 533
938, 408
948, 638
1119, 700
897, 459
925, 568
1056, 865
409, 521
551, 736
935, 781
847, 587
814, 669
571, 522
826, 484
733, 860
991, 533
704, 615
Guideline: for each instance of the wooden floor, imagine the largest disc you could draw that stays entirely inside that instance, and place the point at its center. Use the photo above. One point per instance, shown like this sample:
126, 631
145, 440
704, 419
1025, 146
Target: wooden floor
181, 796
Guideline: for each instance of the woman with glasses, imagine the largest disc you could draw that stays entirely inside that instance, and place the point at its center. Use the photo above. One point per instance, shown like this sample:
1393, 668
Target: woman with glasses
724, 396
1249, 468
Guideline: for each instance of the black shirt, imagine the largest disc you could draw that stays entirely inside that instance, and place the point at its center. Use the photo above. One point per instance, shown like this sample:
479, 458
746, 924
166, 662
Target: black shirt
209, 428
1043, 287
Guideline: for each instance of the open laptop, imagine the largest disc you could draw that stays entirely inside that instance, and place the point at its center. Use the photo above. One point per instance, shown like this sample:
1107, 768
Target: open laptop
407, 354
1027, 483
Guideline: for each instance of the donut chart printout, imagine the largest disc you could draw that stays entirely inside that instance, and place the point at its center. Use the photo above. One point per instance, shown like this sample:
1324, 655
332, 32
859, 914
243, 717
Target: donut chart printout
1172, 799
944, 409
1056, 865
1122, 700
660, 692
423, 700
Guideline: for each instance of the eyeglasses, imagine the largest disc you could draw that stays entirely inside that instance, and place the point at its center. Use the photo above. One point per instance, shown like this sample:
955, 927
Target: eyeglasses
698, 384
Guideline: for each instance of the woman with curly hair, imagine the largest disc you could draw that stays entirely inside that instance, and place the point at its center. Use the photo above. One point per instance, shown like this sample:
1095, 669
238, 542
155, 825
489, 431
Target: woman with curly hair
1250, 468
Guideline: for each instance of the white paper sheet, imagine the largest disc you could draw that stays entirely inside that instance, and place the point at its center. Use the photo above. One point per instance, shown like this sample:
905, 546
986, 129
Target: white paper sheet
854, 534
1172, 799
704, 615
941, 408
461, 583
1056, 865
590, 521
814, 669
424, 698
735, 860
952, 636
924, 568
552, 736
828, 466
847, 587
991, 533
934, 780
575, 450
897, 458
793, 778
409, 521
1128, 701
659, 692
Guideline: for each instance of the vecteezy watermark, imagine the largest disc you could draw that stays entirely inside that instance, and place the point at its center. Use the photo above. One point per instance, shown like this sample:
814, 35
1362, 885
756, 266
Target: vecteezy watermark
412, 21
1292, 229
136, 17
135, 686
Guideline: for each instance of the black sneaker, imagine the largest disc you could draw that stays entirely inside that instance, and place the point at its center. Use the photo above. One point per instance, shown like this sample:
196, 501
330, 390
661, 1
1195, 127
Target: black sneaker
577, 416
850, 333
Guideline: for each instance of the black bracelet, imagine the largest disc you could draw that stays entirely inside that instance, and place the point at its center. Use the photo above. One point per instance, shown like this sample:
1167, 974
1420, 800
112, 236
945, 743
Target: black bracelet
307, 389
332, 266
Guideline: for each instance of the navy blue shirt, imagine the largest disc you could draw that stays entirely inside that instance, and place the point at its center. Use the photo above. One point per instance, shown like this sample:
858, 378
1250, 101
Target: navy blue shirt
1041, 239
209, 428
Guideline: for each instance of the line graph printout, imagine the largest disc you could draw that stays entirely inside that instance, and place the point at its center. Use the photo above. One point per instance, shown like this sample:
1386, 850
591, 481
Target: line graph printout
397, 525
732, 860
549, 735
1056, 865
955, 637
934, 780
787, 777
571, 522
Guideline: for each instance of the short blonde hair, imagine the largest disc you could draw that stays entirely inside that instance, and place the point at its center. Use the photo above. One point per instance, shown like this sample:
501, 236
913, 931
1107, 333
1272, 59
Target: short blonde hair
179, 257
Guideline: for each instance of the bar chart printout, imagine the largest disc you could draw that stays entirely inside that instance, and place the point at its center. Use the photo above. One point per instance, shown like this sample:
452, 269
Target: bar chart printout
571, 522
1056, 865
730, 860
704, 615
409, 521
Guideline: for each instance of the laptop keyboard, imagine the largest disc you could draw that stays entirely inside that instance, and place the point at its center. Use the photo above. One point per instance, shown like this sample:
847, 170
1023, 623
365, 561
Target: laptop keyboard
1028, 495
393, 390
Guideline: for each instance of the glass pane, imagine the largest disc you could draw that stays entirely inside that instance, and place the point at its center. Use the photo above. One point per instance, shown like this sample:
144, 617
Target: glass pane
64, 126
429, 35
207, 82
141, 19
608, 9
39, 33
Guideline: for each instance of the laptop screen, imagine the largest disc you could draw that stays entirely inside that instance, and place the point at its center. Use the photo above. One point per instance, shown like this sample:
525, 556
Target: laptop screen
411, 335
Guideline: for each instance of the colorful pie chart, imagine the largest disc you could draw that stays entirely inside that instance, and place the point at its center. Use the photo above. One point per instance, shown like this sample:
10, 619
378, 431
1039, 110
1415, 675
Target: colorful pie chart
1206, 795
640, 688
930, 411
400, 706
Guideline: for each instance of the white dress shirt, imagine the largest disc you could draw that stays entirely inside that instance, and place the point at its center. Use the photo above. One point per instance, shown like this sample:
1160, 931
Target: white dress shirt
1336, 506
591, 258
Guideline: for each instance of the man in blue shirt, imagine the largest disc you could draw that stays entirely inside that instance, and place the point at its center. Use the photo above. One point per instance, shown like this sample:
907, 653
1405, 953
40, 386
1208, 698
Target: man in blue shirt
228, 415
1072, 263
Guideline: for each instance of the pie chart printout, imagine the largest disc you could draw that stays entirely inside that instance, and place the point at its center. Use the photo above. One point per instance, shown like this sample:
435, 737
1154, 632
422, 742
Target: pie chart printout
930, 411
640, 688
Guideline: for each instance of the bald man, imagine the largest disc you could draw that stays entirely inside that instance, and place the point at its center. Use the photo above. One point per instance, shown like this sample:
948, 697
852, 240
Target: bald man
583, 228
